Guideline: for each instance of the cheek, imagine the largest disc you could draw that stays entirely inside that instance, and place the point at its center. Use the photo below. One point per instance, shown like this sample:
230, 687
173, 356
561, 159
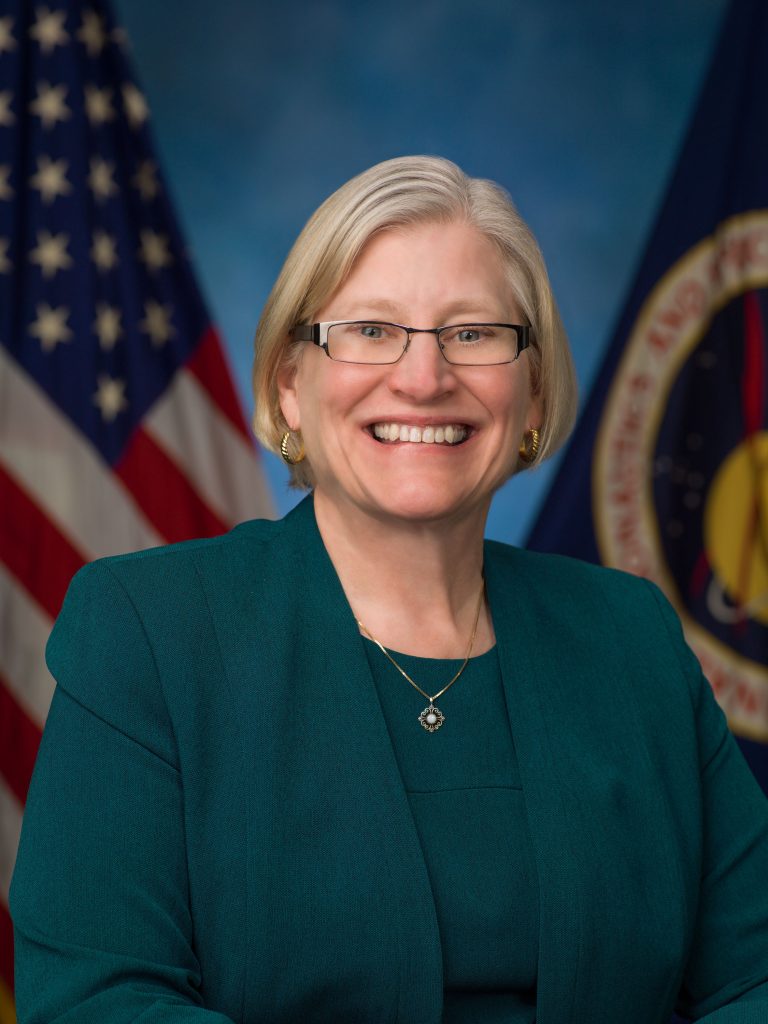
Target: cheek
511, 402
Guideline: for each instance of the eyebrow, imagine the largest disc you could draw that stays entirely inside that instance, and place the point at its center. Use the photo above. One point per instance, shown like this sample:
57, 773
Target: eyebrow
455, 309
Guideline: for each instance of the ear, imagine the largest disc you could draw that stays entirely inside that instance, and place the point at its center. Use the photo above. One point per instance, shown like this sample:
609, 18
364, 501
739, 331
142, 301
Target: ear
288, 393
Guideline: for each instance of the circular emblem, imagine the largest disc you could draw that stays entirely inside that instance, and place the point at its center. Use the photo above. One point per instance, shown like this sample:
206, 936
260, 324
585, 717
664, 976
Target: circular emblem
680, 472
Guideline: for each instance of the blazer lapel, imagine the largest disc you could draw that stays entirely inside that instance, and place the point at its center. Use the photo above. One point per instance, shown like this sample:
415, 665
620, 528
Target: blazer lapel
519, 641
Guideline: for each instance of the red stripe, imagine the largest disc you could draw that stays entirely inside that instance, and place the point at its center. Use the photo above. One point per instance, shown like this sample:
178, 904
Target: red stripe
19, 740
35, 551
753, 379
753, 400
700, 575
163, 492
6, 947
208, 364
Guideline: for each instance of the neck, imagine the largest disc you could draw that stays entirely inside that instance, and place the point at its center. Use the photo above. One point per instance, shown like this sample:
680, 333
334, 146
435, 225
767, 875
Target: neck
414, 585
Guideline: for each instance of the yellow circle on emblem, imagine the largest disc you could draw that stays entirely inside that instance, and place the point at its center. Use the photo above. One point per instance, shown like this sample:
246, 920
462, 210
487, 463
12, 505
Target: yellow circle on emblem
734, 533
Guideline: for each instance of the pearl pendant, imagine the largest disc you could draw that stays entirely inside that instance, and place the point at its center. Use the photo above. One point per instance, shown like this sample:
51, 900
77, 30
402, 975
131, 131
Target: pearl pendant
431, 718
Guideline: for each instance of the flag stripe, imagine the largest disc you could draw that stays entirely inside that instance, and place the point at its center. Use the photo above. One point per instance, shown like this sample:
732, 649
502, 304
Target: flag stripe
167, 498
207, 364
19, 740
7, 1012
33, 549
23, 662
753, 384
63, 472
6, 949
216, 459
10, 830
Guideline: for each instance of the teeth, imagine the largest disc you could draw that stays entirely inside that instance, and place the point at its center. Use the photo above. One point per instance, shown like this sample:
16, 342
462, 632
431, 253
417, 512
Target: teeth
451, 434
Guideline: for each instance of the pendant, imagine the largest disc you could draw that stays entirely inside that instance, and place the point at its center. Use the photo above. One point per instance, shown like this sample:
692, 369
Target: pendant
431, 718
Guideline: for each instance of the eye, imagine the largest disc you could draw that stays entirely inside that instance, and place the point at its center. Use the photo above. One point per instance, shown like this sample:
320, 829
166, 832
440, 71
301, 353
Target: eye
375, 332
469, 334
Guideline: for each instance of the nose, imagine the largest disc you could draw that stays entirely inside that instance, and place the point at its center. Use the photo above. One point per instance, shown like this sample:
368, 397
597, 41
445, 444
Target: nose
422, 373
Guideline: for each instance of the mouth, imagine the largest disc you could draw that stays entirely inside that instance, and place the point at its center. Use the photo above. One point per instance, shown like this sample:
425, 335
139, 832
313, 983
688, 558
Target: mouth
445, 434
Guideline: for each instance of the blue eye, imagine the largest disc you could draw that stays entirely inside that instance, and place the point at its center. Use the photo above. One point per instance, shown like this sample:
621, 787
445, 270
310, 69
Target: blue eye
469, 334
373, 331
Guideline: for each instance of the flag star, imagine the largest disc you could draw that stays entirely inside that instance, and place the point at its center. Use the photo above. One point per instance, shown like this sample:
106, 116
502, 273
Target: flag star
49, 104
51, 326
49, 29
7, 42
153, 250
5, 264
7, 116
6, 192
98, 105
136, 108
91, 33
156, 323
104, 250
110, 397
100, 178
145, 180
51, 253
51, 178
107, 325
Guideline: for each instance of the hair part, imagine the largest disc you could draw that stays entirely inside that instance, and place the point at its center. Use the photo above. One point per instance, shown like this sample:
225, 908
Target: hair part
399, 193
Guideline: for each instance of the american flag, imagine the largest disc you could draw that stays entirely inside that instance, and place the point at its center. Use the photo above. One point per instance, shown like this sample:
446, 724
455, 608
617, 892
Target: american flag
119, 424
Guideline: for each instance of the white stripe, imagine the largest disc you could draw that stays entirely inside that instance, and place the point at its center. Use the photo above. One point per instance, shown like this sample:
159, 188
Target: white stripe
24, 630
63, 473
219, 462
10, 830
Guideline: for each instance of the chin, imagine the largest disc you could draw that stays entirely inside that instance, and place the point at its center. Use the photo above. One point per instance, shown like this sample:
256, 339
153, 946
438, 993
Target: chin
420, 504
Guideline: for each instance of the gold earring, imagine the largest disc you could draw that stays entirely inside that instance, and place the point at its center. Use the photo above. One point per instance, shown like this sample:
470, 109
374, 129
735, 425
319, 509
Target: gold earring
529, 447
292, 460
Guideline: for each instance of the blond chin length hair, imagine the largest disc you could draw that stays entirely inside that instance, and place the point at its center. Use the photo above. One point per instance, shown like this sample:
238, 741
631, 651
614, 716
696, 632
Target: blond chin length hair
398, 193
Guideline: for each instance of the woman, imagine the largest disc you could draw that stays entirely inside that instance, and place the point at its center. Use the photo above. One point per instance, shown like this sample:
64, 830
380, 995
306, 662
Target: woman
357, 765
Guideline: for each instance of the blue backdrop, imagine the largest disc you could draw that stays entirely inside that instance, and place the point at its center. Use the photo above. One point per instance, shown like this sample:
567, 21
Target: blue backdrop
577, 108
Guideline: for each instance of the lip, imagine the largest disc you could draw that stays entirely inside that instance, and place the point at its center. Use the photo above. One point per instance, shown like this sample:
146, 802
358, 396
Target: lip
423, 421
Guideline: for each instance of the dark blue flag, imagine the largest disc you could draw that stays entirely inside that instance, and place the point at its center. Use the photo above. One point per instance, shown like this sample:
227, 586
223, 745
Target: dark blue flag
666, 473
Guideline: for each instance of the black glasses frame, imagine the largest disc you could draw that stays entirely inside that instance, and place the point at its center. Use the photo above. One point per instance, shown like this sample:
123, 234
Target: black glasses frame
318, 335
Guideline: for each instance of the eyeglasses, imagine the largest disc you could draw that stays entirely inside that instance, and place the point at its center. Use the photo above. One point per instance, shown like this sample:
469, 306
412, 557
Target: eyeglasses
376, 342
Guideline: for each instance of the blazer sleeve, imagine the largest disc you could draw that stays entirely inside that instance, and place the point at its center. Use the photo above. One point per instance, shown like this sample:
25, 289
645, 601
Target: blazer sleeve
99, 897
726, 976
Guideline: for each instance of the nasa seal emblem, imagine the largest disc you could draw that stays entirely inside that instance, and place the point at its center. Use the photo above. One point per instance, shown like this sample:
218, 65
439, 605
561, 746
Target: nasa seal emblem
679, 476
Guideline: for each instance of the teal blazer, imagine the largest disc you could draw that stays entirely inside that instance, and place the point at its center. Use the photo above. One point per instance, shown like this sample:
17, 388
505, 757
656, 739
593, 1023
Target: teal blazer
217, 830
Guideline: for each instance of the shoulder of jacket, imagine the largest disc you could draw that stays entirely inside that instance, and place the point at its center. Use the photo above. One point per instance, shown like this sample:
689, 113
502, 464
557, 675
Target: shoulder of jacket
549, 568
172, 561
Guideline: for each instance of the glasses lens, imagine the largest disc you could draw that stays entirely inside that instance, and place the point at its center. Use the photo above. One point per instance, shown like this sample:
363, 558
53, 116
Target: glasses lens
366, 341
479, 344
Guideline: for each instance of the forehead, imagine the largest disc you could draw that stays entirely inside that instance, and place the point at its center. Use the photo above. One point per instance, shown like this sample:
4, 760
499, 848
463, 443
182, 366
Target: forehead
431, 264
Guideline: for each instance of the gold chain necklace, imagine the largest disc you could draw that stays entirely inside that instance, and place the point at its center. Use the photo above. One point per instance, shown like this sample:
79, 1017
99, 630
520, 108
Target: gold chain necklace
431, 717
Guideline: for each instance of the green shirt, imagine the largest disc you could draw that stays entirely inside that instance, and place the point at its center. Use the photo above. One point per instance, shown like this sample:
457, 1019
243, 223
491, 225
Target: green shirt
464, 790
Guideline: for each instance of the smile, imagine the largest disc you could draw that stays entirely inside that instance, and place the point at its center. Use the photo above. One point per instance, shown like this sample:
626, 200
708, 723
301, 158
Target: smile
448, 434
